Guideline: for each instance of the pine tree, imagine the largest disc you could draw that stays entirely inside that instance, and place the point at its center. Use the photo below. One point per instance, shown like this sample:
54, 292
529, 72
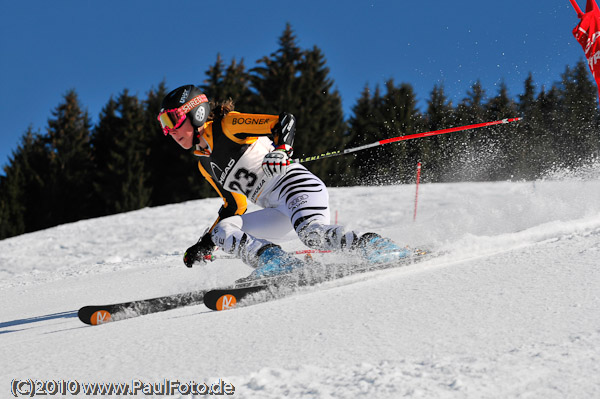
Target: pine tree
70, 161
529, 153
468, 152
11, 211
276, 81
122, 182
232, 82
549, 128
213, 84
48, 181
321, 126
472, 108
363, 129
380, 117
499, 142
579, 107
439, 113
25, 204
437, 150
400, 117
296, 81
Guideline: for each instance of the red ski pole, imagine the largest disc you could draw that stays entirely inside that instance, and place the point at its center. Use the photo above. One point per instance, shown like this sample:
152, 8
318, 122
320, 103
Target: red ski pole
403, 138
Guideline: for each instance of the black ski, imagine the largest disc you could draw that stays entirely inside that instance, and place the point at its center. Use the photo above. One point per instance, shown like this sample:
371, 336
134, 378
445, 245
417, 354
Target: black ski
278, 286
227, 298
119, 311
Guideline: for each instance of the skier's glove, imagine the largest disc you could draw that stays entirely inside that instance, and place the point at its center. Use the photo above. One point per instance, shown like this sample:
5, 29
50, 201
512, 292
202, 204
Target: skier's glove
276, 162
198, 251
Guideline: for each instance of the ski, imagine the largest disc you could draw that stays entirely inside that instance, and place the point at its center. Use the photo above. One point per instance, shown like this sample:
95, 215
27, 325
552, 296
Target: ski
100, 314
227, 298
281, 285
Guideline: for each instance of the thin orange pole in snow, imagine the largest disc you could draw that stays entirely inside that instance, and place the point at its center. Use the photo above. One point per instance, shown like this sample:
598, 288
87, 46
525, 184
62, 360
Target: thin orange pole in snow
417, 190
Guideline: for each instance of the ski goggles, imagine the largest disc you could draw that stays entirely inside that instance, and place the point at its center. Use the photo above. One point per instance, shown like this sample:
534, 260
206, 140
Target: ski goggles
172, 119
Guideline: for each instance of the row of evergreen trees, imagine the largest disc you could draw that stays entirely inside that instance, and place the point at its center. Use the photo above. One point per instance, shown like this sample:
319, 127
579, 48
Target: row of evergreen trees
75, 170
560, 129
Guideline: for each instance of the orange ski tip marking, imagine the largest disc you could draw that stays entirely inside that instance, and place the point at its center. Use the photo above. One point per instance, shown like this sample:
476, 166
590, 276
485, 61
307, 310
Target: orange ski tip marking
100, 317
226, 301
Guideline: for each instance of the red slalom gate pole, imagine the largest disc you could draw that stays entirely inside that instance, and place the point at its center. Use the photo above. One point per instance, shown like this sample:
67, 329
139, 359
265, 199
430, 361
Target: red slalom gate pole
577, 9
403, 138
417, 190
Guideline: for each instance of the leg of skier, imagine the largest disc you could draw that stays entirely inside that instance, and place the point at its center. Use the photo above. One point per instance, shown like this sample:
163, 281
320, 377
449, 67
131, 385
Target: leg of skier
247, 237
304, 198
302, 204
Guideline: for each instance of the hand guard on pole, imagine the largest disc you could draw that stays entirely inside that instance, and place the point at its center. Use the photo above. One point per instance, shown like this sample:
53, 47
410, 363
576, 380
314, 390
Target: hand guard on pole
198, 251
276, 162
284, 130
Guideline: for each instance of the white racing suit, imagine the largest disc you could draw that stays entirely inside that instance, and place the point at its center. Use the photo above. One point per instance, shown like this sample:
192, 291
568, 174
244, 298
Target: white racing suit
296, 200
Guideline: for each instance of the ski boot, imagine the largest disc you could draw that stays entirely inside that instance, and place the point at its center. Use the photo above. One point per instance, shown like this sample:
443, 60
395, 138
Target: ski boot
274, 261
376, 249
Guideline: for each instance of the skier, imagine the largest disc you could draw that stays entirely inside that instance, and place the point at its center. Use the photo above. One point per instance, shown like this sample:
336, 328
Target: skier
247, 157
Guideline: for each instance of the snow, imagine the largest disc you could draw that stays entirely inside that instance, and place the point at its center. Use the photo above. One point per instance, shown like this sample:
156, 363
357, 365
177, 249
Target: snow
512, 308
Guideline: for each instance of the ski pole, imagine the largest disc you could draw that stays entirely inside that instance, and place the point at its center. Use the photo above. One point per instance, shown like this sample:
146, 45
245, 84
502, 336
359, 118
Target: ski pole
402, 138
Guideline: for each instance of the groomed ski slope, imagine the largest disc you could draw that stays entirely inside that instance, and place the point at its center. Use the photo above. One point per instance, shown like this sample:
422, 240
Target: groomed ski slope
511, 310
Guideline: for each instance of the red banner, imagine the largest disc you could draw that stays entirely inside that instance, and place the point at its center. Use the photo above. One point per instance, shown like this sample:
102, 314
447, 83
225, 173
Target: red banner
587, 33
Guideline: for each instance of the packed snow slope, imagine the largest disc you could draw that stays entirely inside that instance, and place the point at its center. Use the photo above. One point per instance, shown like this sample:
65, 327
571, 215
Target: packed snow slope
511, 309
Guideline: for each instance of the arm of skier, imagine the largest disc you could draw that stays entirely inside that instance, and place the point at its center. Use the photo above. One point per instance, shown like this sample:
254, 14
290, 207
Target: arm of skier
277, 161
280, 129
233, 204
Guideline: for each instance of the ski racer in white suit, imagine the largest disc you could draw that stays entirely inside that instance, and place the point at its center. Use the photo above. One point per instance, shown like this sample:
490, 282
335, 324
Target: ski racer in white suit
247, 157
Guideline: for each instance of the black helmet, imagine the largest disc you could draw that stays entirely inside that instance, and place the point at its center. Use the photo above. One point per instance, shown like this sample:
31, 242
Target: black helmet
184, 102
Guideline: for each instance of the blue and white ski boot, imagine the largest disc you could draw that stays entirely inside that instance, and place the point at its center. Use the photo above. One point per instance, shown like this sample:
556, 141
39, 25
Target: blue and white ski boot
274, 261
376, 249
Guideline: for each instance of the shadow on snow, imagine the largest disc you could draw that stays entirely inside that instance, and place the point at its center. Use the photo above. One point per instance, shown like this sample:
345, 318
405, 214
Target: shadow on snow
29, 320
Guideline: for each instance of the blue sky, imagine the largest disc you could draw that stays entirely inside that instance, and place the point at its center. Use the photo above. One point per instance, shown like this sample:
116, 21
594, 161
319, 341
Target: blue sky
101, 48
